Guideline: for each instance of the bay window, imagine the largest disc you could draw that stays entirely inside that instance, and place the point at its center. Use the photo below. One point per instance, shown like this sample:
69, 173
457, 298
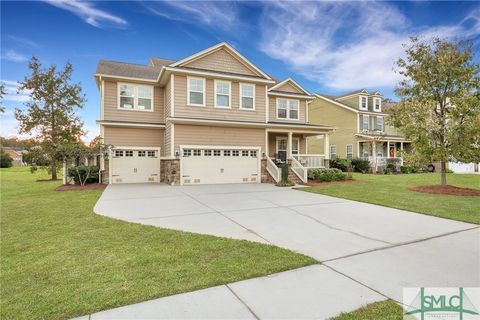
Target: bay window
135, 97
288, 109
247, 96
196, 91
222, 94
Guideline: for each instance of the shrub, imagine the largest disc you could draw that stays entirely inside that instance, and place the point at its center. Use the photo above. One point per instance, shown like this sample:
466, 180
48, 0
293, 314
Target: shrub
327, 175
5, 159
361, 165
390, 168
339, 163
448, 171
83, 174
409, 169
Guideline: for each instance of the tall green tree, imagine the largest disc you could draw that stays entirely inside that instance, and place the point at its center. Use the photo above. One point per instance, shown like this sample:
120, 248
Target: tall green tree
2, 93
439, 109
50, 114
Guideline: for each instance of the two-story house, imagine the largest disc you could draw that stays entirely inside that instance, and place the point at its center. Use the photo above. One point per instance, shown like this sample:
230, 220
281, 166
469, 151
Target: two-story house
212, 117
361, 128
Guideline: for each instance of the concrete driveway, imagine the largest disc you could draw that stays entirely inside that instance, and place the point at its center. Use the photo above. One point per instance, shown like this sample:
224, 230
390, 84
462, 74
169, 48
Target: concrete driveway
379, 249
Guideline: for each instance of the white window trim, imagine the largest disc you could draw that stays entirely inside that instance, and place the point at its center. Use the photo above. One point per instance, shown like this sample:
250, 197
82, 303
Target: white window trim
383, 123
288, 109
240, 95
379, 109
360, 103
346, 150
364, 116
135, 96
188, 92
229, 94
330, 151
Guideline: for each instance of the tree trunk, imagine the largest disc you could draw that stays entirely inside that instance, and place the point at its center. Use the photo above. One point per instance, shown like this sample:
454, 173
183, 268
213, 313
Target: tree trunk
54, 171
443, 172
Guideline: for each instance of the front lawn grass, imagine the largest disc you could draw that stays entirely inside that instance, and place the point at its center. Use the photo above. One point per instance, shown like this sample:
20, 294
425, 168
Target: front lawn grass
392, 191
60, 260
385, 310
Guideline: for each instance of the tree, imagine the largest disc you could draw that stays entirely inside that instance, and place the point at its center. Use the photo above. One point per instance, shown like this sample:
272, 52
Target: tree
5, 159
50, 114
2, 93
439, 109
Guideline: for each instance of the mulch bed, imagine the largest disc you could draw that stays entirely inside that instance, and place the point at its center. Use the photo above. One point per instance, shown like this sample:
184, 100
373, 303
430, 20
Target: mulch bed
77, 187
315, 183
448, 190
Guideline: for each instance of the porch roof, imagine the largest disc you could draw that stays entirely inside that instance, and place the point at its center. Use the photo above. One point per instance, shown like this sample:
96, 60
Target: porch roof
381, 137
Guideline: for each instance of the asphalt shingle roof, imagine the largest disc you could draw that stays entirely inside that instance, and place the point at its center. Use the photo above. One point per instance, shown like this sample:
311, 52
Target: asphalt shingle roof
122, 69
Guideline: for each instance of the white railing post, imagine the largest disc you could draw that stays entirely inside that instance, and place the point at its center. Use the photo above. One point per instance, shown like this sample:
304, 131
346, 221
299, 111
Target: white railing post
299, 170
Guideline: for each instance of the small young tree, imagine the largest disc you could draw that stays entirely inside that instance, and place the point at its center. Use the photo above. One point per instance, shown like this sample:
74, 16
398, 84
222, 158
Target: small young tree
439, 109
50, 114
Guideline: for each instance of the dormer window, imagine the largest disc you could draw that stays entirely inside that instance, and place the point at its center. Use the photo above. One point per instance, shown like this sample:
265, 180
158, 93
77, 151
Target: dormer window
377, 104
363, 103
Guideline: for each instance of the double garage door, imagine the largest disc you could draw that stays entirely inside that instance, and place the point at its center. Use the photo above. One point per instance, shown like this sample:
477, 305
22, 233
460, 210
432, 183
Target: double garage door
135, 165
214, 165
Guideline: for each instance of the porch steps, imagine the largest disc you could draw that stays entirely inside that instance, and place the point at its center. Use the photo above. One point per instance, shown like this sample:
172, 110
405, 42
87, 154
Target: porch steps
293, 177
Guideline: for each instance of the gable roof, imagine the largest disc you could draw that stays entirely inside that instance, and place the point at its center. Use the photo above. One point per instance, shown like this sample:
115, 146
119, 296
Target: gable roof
333, 100
359, 91
292, 82
132, 70
231, 50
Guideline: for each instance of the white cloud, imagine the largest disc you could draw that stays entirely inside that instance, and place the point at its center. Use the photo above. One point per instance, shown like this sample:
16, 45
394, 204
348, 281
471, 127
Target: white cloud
12, 55
24, 41
11, 92
88, 12
345, 45
219, 14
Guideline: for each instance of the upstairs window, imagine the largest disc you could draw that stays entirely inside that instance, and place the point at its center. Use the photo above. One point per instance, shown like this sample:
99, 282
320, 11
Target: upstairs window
365, 123
377, 104
379, 124
135, 97
288, 109
196, 92
363, 103
222, 94
247, 96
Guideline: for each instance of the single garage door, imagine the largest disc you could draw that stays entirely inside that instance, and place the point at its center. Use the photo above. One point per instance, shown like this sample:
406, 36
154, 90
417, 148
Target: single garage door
215, 165
460, 167
135, 165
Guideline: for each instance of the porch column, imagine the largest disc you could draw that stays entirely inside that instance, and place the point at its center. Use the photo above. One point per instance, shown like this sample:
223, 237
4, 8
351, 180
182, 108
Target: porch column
401, 146
326, 146
289, 145
266, 144
358, 149
374, 156
388, 149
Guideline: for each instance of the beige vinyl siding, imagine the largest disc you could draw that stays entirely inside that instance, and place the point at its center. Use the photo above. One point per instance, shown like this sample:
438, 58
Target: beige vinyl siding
273, 110
223, 61
134, 137
209, 111
288, 87
168, 136
352, 101
218, 136
324, 112
112, 112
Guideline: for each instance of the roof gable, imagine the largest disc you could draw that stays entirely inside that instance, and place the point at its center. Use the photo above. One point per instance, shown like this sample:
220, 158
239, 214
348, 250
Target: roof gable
289, 85
224, 58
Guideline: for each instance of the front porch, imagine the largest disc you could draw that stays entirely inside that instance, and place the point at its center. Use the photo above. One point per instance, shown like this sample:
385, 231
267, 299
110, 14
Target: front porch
380, 152
291, 147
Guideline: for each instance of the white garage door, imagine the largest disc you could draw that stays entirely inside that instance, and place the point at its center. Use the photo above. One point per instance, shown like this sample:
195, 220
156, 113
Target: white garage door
135, 166
460, 167
214, 165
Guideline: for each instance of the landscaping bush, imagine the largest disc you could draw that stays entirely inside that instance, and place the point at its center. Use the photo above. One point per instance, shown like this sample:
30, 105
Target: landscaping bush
361, 165
409, 169
327, 175
83, 174
5, 159
339, 163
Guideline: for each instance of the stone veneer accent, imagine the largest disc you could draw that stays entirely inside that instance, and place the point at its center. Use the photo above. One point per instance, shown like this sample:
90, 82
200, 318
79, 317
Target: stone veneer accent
170, 171
264, 175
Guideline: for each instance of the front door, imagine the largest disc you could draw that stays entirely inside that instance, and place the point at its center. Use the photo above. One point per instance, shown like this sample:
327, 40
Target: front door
391, 151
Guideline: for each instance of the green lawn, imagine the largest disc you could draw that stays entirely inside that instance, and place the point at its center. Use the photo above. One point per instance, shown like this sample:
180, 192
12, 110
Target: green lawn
392, 191
59, 260
385, 310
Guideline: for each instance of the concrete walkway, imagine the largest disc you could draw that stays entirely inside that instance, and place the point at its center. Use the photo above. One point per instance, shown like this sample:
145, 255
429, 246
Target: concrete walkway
370, 252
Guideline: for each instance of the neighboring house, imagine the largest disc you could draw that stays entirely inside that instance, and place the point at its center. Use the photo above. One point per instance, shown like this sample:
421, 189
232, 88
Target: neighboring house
213, 117
16, 154
362, 130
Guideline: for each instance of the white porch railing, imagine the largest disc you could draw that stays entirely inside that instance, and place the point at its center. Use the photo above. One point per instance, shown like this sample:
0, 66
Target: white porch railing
310, 161
382, 161
273, 170
299, 170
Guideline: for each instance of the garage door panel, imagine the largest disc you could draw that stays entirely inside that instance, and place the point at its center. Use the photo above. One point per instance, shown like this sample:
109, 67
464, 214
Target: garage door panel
214, 166
135, 166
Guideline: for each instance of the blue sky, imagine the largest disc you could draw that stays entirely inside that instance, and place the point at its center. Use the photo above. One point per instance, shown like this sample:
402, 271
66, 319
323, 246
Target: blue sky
328, 47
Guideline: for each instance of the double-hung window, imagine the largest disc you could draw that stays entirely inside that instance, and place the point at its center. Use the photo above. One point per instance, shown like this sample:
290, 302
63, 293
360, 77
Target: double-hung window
247, 96
365, 122
196, 92
288, 109
349, 151
363, 103
333, 152
222, 94
135, 97
377, 104
379, 125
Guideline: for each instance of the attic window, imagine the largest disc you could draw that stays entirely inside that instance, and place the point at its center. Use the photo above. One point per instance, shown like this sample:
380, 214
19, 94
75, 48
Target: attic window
363, 103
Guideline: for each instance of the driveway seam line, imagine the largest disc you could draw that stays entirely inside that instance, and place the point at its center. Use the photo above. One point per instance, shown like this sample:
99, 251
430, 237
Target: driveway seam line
401, 244
242, 302
178, 215
338, 229
220, 213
